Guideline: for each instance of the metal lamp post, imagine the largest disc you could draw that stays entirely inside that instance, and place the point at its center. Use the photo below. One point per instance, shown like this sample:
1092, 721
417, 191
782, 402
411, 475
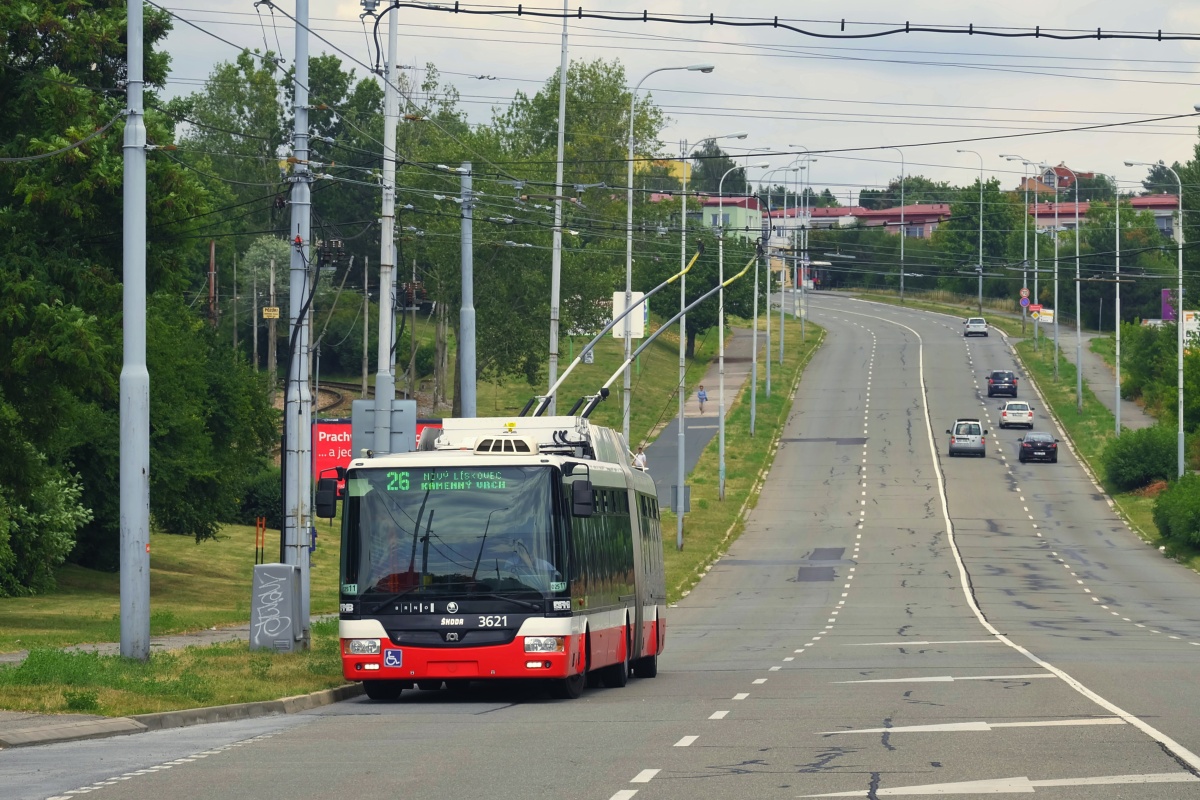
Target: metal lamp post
1178, 299
772, 234
1117, 303
706, 68
1078, 310
681, 476
980, 226
1025, 246
721, 324
903, 229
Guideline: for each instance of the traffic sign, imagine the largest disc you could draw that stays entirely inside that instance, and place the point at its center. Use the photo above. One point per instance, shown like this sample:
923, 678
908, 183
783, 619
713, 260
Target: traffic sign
270, 312
1035, 306
1035, 314
1024, 301
1024, 292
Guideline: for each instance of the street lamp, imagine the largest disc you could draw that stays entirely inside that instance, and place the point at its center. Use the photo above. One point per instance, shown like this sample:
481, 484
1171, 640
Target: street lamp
783, 271
706, 68
680, 438
783, 264
1178, 298
1117, 302
980, 227
903, 230
1078, 311
1025, 214
721, 322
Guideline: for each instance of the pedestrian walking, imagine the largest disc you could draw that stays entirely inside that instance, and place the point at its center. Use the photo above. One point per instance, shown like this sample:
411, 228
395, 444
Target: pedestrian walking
702, 396
639, 459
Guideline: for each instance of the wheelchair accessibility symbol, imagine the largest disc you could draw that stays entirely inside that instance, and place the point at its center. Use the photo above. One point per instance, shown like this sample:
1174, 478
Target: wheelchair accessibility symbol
393, 658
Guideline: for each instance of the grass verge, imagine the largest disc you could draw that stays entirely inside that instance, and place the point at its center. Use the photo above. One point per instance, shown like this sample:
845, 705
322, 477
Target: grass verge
1010, 325
193, 586
52, 681
713, 523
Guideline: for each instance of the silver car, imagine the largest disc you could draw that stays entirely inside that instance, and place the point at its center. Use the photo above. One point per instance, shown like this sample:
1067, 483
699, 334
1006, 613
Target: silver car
968, 436
975, 326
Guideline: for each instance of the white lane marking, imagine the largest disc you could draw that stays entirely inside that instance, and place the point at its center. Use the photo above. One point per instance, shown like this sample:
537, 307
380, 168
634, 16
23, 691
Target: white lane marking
793, 658
741, 695
893, 644
1013, 785
1167, 742
775, 669
953, 679
645, 776
686, 741
758, 681
983, 727
718, 715
624, 794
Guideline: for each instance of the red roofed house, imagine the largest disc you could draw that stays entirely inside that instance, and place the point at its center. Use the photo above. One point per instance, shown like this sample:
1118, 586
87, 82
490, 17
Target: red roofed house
920, 219
1163, 206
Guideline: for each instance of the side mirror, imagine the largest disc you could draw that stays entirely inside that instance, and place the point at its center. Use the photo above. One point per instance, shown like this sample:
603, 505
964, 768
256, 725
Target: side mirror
1021, 439
1056, 441
985, 432
327, 490
583, 499
947, 430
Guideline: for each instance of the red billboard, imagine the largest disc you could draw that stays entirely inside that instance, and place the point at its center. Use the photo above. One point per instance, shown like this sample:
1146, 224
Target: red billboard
331, 442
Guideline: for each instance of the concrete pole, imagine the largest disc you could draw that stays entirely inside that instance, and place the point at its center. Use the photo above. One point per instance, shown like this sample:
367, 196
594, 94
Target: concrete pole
466, 314
366, 326
1025, 249
754, 345
556, 244
235, 293
254, 320
903, 230
385, 379
135, 379
680, 438
1179, 321
720, 345
1117, 307
272, 359
1056, 309
298, 406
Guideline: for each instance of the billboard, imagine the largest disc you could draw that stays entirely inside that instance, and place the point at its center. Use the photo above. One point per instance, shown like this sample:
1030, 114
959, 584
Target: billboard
332, 442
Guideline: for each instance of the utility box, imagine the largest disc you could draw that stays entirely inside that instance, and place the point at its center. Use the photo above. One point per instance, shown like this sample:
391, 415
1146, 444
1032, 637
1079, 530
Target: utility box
274, 608
362, 427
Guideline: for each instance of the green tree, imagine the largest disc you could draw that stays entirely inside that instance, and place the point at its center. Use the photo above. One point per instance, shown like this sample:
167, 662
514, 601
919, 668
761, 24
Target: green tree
709, 164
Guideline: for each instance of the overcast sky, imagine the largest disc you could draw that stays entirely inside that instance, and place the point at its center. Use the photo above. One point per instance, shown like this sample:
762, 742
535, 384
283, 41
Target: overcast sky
787, 89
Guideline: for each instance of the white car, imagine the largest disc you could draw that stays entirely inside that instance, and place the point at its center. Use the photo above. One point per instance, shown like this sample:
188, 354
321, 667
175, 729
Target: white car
975, 326
1016, 412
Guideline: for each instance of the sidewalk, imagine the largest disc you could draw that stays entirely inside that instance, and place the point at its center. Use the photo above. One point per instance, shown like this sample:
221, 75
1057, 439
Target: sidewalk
699, 429
1101, 379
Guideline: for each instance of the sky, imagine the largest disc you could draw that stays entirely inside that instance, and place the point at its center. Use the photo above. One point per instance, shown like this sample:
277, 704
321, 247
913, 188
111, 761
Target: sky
925, 93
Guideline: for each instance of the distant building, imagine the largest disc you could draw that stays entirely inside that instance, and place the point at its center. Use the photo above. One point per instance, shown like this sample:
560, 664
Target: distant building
739, 216
1163, 206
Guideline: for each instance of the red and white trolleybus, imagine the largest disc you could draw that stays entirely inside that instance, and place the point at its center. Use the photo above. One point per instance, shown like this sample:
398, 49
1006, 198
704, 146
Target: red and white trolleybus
523, 548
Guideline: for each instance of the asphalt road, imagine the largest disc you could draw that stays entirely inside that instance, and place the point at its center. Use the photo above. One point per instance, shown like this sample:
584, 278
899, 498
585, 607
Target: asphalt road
893, 622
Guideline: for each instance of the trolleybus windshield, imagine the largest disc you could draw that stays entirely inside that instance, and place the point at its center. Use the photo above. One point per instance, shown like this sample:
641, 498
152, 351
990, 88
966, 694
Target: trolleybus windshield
437, 531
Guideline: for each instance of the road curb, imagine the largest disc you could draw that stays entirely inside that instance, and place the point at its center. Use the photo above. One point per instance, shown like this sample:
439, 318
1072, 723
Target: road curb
142, 723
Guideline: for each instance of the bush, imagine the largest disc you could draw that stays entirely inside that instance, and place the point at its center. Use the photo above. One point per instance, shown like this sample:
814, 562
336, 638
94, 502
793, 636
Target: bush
1177, 510
263, 497
1138, 458
425, 356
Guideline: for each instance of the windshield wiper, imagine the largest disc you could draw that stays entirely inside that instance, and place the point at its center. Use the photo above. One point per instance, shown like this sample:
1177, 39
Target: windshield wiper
494, 596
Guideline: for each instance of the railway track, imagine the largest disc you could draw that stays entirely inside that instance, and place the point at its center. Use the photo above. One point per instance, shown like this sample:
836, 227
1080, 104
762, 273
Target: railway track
341, 388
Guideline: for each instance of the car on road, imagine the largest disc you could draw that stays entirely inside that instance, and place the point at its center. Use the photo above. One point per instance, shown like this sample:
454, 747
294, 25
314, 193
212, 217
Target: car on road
1016, 412
1002, 381
968, 436
975, 326
1038, 446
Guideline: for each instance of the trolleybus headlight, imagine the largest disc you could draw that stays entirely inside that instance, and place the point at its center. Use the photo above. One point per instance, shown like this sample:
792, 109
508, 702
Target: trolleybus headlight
362, 647
543, 644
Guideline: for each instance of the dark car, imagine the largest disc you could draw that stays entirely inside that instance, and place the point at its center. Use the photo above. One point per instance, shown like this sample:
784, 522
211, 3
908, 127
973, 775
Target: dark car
1038, 446
1002, 381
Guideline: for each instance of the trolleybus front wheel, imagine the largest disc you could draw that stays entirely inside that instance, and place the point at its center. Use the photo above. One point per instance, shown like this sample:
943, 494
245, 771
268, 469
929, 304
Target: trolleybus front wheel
383, 690
568, 688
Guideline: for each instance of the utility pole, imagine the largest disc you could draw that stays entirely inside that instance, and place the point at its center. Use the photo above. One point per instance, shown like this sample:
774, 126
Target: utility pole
466, 315
212, 282
556, 245
254, 320
135, 379
385, 381
272, 365
235, 288
412, 339
366, 324
298, 406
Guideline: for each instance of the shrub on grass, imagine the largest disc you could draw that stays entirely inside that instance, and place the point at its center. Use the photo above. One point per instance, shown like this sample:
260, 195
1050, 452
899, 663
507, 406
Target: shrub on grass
1138, 458
1177, 510
263, 497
